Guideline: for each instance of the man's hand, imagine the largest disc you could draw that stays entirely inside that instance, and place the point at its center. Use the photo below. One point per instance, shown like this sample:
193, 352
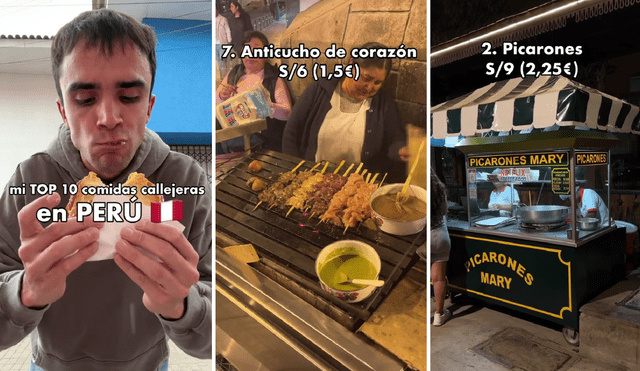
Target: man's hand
46, 252
165, 284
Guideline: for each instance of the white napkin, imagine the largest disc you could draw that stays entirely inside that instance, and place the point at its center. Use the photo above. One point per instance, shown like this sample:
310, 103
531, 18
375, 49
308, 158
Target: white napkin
110, 232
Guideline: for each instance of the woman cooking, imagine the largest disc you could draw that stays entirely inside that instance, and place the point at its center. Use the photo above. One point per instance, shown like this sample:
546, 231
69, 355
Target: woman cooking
351, 120
503, 195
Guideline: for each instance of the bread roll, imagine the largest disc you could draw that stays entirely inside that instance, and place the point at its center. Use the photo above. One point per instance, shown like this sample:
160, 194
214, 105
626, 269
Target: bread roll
92, 180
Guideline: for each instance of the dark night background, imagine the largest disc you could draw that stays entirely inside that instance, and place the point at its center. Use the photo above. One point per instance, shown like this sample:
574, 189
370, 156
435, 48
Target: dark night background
610, 44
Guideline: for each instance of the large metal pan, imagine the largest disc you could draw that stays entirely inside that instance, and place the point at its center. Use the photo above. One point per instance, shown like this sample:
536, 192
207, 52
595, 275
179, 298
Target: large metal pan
543, 214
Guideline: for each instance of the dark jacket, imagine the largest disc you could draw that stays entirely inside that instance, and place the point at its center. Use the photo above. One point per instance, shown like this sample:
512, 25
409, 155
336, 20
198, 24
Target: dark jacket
101, 323
271, 137
383, 138
238, 26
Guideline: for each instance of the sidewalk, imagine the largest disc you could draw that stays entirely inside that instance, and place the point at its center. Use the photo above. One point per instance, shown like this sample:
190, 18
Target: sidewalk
480, 337
17, 358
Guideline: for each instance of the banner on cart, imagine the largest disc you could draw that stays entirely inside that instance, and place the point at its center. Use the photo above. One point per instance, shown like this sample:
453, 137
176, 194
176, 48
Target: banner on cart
592, 158
527, 276
520, 160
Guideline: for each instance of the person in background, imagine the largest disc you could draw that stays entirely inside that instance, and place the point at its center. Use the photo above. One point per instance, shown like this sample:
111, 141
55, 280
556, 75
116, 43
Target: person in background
223, 36
589, 203
273, 8
440, 247
503, 195
239, 24
350, 120
115, 314
243, 77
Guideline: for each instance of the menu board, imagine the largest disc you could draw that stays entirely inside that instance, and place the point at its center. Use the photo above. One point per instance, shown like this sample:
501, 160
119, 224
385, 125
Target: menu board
561, 180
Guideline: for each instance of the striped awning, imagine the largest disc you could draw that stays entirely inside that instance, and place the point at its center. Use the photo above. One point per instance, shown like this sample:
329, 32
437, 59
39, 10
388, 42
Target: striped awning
518, 105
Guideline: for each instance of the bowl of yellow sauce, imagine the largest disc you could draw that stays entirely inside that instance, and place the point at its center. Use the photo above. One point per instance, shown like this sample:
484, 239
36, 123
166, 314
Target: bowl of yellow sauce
350, 258
399, 217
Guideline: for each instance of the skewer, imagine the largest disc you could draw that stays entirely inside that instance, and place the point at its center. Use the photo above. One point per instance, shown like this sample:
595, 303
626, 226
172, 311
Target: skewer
290, 210
374, 178
339, 166
296, 168
348, 170
368, 177
325, 167
345, 229
335, 209
314, 167
382, 181
292, 171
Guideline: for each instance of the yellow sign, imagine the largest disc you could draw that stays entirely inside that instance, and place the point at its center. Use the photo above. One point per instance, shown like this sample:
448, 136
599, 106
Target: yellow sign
502, 259
592, 158
561, 181
520, 160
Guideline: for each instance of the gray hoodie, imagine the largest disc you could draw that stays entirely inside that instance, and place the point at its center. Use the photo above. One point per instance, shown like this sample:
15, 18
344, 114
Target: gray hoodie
100, 323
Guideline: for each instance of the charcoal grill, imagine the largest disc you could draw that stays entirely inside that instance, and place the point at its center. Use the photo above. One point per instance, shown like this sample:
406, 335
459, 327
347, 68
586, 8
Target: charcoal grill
289, 245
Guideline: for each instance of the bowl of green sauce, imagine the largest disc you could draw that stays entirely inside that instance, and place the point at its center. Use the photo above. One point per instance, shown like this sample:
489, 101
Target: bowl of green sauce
352, 258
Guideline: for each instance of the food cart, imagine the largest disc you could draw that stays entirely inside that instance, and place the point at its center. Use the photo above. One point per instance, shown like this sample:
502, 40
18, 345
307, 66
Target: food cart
537, 256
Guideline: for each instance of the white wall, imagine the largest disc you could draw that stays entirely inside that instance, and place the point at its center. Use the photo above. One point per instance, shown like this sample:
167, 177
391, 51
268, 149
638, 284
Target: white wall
29, 119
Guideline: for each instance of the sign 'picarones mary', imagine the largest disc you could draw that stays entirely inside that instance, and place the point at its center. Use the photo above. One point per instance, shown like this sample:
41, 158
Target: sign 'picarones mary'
520, 160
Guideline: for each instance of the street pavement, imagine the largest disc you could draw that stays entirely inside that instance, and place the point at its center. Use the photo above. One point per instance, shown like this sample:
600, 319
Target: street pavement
479, 337
17, 358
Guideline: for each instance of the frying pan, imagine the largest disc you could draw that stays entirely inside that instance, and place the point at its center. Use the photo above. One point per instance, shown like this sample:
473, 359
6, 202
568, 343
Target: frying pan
543, 214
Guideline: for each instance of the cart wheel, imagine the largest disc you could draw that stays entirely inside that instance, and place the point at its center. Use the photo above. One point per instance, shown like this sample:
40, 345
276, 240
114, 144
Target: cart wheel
571, 336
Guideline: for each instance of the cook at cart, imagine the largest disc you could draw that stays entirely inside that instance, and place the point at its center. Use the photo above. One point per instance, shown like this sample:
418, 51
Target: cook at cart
503, 195
590, 205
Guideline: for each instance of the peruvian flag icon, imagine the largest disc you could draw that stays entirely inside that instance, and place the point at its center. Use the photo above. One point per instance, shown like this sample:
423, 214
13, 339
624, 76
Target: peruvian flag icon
166, 211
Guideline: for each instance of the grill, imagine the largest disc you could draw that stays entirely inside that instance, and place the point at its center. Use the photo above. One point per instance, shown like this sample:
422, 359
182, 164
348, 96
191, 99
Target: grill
289, 245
